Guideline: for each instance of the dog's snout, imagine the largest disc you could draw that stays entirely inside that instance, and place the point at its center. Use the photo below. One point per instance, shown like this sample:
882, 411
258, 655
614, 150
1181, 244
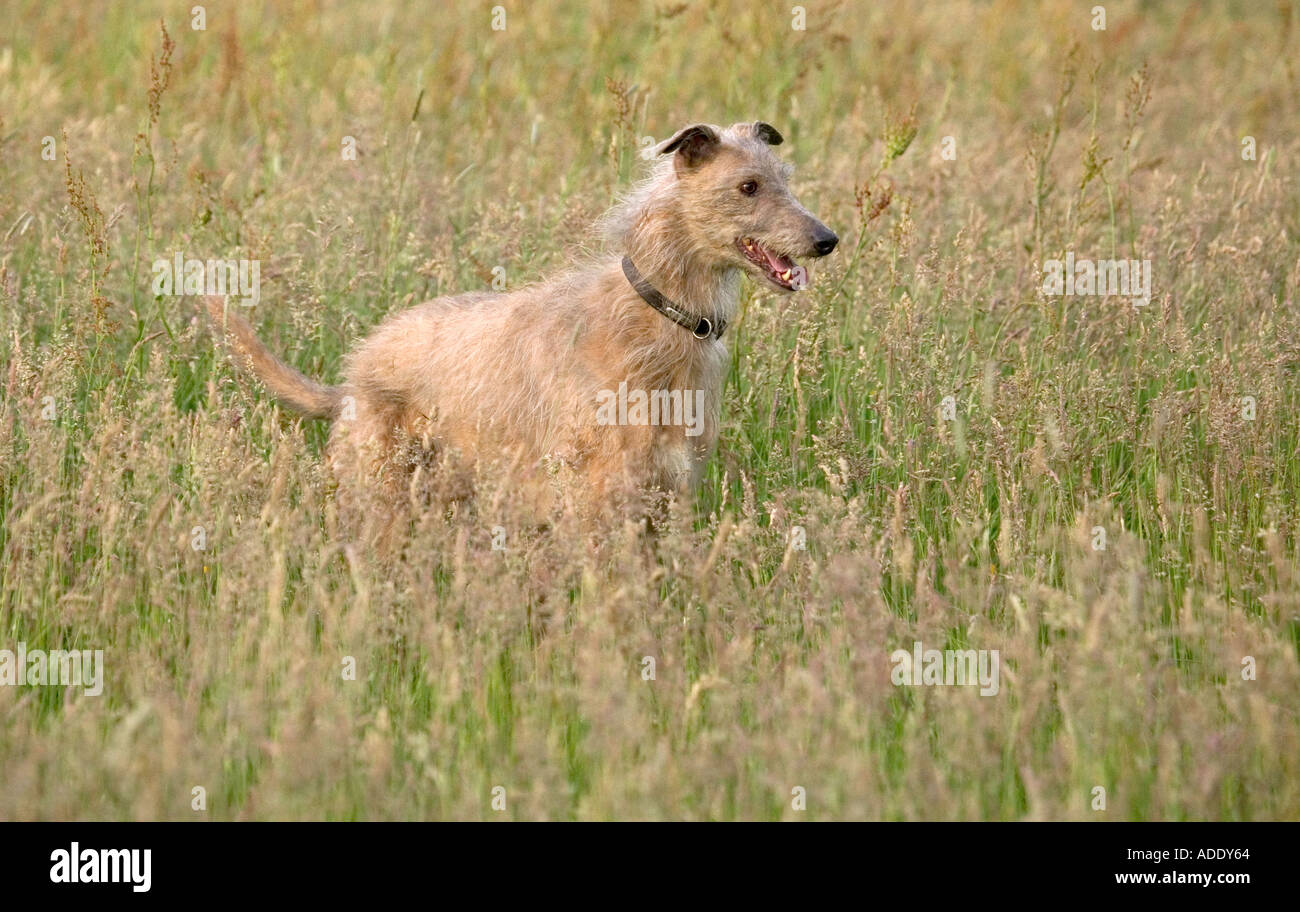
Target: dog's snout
824, 241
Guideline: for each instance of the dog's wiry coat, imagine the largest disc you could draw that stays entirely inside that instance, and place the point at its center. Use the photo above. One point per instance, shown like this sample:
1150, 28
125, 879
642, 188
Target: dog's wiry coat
514, 378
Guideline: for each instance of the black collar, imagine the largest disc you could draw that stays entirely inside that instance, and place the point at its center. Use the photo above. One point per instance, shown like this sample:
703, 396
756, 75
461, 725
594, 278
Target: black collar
700, 327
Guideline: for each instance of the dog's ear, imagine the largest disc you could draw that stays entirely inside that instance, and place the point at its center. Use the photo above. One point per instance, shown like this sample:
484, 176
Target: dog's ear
693, 145
767, 133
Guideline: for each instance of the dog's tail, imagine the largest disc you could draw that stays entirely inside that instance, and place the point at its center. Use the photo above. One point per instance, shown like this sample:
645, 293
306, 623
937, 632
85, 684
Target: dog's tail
291, 388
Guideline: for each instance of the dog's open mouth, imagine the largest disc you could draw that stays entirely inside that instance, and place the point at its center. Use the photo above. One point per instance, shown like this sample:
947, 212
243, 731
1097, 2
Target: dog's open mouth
781, 271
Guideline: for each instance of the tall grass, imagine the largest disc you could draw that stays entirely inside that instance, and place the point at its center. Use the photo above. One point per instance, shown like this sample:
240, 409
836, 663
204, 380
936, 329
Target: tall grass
525, 669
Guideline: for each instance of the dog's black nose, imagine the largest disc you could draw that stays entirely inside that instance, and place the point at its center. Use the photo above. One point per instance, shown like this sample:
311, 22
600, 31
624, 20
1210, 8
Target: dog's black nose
825, 243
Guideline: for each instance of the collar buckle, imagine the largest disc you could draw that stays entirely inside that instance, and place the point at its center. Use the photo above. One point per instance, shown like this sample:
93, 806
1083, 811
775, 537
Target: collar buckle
702, 329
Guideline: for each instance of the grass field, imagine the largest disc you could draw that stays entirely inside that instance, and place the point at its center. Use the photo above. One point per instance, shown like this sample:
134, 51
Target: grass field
956, 148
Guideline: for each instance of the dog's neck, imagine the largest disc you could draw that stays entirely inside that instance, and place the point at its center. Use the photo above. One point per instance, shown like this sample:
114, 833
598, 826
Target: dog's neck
694, 282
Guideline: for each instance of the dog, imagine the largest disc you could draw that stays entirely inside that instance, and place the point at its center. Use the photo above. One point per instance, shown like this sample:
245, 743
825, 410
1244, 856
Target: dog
559, 382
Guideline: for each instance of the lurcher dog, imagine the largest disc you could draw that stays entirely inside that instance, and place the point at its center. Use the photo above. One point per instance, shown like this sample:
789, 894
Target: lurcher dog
566, 377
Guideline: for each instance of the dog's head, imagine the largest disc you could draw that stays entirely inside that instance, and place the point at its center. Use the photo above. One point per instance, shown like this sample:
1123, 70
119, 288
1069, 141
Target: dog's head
736, 202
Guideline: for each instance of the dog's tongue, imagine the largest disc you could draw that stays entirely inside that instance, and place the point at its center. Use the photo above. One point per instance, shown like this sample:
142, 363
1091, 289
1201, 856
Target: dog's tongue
798, 276
779, 264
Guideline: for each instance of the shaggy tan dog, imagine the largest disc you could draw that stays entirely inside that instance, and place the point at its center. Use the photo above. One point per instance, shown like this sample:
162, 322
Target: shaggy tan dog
609, 375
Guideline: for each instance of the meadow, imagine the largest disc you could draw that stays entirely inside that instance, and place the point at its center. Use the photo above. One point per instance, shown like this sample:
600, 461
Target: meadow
922, 446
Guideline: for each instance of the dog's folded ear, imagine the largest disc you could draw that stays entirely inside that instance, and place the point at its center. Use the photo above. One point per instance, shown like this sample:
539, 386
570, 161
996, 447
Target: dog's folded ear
763, 131
767, 133
693, 145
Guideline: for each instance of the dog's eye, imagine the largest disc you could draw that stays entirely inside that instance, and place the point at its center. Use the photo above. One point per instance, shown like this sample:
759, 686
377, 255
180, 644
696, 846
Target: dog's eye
749, 188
